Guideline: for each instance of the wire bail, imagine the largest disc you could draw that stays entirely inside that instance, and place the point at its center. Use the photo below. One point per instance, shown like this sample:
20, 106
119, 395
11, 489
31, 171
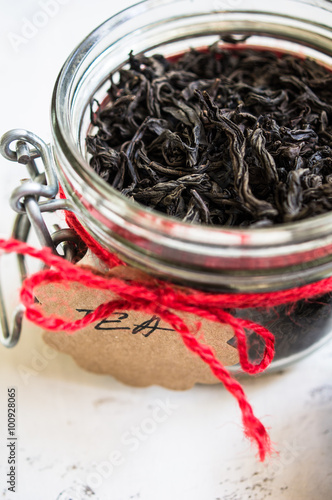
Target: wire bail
25, 200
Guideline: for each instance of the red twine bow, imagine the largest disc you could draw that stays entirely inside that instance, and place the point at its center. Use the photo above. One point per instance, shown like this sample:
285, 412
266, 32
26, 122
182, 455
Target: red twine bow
159, 298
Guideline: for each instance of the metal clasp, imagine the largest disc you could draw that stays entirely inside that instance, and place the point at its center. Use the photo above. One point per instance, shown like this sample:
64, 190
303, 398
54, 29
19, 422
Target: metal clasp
25, 200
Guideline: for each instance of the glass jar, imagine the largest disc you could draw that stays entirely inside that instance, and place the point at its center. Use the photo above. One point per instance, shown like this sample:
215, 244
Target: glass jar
206, 258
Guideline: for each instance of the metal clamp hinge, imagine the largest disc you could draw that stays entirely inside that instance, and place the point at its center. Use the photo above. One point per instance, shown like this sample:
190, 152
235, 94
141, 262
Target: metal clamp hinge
25, 200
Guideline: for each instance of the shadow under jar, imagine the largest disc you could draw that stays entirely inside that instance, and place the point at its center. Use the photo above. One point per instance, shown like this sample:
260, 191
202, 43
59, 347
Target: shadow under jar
214, 259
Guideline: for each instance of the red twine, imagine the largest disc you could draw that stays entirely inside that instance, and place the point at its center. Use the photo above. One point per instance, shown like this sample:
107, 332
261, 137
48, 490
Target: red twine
159, 297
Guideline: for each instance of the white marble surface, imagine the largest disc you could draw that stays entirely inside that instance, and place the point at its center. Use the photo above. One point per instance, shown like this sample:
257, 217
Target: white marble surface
76, 431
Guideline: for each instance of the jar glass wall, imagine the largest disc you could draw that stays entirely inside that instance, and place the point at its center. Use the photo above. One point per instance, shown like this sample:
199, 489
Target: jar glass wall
217, 259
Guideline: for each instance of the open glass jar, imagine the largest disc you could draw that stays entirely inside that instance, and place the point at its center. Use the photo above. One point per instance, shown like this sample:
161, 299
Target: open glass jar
211, 259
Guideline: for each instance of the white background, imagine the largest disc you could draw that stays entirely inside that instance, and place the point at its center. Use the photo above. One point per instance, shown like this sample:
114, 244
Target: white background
71, 424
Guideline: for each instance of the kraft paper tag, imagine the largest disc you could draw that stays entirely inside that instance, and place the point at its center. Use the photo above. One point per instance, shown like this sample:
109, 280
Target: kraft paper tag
136, 348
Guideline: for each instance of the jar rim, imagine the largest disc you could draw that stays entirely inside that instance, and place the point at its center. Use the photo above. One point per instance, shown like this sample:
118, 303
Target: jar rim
277, 241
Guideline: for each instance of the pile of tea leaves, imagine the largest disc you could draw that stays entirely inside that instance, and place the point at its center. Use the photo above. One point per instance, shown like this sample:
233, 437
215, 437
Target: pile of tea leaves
227, 137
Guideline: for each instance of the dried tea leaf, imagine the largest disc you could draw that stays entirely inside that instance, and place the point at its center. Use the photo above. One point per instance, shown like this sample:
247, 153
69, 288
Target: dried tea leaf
232, 137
